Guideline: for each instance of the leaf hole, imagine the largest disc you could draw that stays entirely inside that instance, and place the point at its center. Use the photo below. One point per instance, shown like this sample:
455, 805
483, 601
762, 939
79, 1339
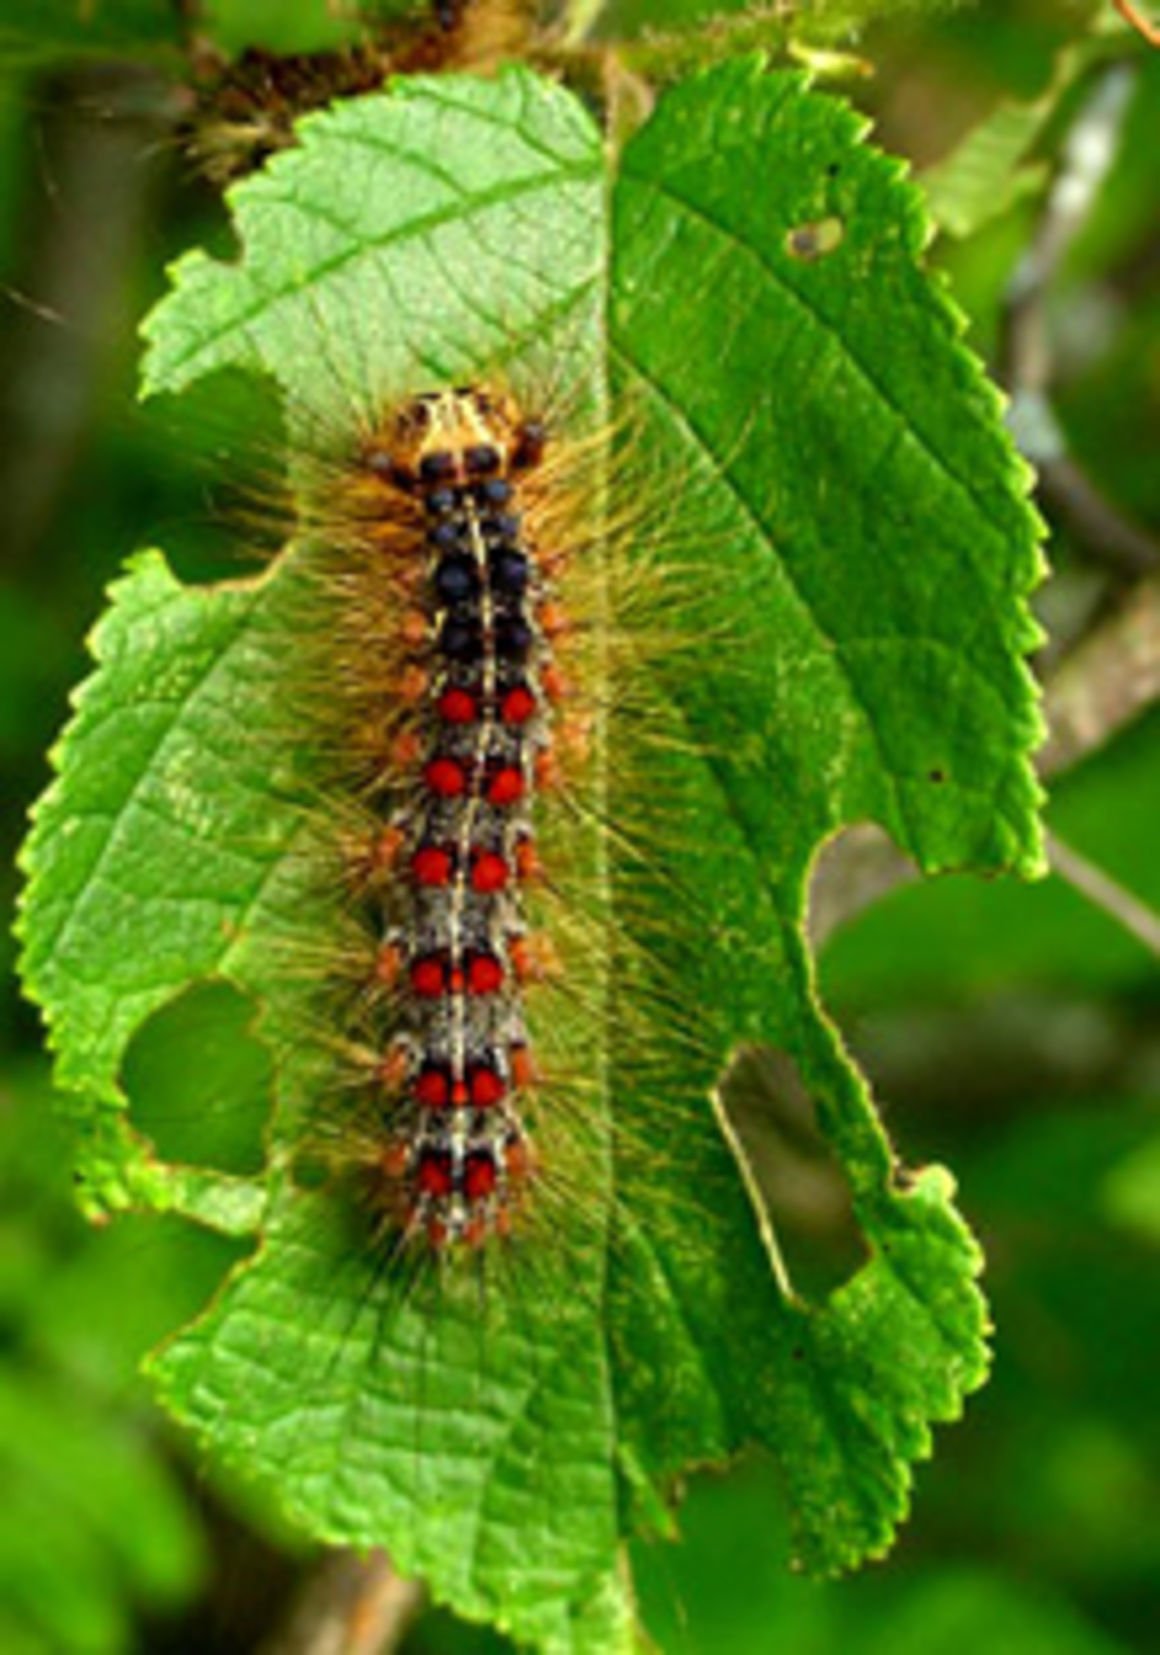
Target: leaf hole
227, 508
801, 1183
200, 1083
809, 242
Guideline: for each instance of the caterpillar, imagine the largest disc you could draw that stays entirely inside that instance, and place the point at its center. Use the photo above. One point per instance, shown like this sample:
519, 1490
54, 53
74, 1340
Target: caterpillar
659, 1332
479, 673
243, 111
481, 618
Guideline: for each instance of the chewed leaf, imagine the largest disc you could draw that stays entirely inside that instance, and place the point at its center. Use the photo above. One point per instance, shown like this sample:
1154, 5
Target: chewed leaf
747, 299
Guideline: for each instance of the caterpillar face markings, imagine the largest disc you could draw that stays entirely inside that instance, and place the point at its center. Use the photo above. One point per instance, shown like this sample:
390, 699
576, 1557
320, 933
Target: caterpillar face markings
449, 470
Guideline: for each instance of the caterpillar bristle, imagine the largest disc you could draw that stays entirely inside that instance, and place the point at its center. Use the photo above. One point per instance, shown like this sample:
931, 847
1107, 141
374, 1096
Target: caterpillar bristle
458, 1111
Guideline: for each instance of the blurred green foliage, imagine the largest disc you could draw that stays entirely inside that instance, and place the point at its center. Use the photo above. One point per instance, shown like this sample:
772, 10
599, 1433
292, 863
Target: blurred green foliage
1011, 1031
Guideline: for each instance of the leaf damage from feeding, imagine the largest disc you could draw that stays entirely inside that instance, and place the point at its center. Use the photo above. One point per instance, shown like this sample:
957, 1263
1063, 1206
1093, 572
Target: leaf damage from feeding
804, 396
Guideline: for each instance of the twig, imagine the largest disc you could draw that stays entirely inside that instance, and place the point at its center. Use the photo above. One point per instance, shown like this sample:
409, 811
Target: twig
1105, 682
1070, 493
1105, 892
1099, 689
1143, 25
351, 1605
856, 868
578, 19
1087, 157
67, 311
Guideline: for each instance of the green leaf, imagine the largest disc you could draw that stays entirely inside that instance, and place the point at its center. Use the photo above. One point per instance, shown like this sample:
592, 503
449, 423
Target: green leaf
53, 28
94, 1523
956, 939
1131, 1191
44, 28
990, 170
988, 173
306, 26
748, 297
927, 1603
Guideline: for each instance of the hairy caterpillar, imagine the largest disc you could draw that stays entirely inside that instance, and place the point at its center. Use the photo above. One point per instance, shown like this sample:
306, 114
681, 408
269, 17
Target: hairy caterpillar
659, 1333
478, 612
244, 111
477, 675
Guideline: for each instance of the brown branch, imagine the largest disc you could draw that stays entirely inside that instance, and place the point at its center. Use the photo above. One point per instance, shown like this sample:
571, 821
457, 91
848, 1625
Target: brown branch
1029, 364
1064, 487
67, 316
1071, 495
1142, 25
1105, 893
350, 1605
1112, 677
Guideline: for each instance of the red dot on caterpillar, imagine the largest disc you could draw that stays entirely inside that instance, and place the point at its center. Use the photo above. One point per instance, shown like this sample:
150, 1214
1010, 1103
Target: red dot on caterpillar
446, 777
506, 786
433, 1087
489, 871
432, 865
429, 977
435, 1174
484, 974
518, 705
485, 1086
479, 1176
457, 706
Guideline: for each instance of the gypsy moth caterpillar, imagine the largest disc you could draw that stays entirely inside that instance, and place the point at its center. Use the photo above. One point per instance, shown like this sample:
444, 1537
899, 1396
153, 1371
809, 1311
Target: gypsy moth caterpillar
475, 676
645, 1330
460, 645
244, 110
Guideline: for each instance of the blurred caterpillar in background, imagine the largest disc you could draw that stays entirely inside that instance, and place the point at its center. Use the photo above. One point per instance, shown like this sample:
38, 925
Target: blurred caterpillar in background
244, 109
